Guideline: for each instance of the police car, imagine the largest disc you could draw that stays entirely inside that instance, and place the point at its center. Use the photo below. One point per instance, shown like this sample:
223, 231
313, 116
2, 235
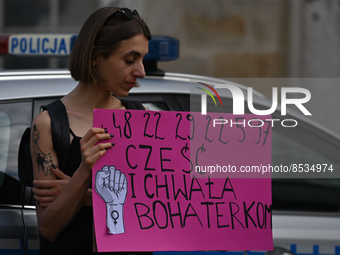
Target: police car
306, 211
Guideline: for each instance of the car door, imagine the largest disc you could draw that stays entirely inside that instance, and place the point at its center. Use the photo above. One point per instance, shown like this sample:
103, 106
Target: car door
15, 116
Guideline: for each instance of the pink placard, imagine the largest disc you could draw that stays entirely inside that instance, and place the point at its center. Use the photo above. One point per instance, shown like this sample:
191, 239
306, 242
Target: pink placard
149, 195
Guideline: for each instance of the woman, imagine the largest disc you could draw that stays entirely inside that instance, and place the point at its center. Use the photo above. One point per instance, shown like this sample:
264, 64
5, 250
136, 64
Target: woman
106, 59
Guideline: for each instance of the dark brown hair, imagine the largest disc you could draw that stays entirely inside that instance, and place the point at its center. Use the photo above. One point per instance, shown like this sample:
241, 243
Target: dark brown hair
102, 33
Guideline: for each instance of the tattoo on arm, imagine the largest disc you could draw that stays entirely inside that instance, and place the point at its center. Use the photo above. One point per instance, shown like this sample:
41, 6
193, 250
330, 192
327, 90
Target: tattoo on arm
44, 160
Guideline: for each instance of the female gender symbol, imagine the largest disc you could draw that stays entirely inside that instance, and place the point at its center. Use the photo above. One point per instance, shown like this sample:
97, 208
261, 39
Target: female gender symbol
115, 216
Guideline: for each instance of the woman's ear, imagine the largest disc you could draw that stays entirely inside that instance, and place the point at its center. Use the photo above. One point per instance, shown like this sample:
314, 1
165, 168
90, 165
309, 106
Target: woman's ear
97, 59
94, 61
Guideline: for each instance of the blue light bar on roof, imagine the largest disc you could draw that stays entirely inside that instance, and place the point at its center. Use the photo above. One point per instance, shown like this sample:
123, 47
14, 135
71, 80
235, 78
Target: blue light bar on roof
162, 48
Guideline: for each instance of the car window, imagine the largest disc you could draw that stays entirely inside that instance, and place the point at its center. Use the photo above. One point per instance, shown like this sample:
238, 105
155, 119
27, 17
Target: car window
4, 143
156, 106
14, 118
289, 151
153, 102
295, 148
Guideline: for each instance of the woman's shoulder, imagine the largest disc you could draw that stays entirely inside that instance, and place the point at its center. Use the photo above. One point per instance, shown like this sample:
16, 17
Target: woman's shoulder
42, 120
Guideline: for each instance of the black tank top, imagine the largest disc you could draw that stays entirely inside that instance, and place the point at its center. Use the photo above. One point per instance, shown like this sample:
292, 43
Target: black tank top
77, 237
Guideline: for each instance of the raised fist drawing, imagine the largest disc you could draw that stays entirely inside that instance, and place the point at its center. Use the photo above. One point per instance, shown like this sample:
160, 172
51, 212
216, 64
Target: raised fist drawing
111, 186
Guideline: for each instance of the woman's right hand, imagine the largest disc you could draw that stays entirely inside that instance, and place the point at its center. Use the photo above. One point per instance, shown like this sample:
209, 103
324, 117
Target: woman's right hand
92, 149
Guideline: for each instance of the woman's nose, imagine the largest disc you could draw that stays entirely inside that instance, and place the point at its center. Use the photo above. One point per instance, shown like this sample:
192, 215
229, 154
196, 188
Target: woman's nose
139, 70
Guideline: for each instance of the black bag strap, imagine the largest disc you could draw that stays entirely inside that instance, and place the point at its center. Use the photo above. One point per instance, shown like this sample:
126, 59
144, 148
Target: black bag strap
25, 167
60, 131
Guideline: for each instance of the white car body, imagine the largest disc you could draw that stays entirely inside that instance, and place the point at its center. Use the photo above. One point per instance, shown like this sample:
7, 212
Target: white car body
301, 232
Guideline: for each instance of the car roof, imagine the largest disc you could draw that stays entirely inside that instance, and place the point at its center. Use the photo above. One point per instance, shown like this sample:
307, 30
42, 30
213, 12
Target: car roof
53, 83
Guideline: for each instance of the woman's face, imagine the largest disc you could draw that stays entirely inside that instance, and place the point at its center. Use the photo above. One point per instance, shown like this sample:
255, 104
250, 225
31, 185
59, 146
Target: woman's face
122, 68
